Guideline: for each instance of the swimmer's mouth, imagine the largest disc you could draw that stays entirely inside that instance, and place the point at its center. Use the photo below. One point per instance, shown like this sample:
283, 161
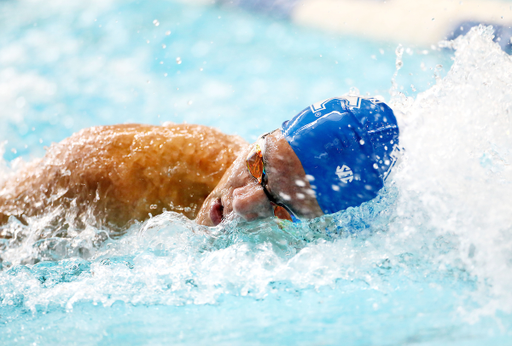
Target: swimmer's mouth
217, 212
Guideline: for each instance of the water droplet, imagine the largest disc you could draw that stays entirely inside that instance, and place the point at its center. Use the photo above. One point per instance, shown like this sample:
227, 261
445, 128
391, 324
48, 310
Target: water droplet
178, 60
164, 46
161, 62
156, 22
399, 50
147, 41
165, 74
353, 91
168, 32
285, 196
201, 69
361, 142
300, 183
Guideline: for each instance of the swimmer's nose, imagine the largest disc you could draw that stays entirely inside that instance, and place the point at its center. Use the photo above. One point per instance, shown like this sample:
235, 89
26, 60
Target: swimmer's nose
251, 203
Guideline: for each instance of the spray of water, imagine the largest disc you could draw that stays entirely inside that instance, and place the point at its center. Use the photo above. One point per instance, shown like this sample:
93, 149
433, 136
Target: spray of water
444, 216
455, 180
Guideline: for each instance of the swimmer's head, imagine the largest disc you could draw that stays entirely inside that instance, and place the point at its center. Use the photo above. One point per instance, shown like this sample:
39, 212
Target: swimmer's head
346, 147
333, 155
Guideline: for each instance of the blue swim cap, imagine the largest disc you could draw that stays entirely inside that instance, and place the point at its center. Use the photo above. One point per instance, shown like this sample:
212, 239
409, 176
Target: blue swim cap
346, 147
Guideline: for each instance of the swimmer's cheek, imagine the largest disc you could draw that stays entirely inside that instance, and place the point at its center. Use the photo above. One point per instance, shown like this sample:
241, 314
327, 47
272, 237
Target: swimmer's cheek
251, 205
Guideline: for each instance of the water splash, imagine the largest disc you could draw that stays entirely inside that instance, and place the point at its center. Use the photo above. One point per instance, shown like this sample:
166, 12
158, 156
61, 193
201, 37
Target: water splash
443, 220
455, 180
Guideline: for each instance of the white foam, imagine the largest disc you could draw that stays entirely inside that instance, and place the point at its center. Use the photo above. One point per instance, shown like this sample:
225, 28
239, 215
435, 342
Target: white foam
444, 215
456, 177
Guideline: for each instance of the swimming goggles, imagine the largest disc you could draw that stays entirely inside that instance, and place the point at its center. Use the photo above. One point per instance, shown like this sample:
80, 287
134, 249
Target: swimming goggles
256, 166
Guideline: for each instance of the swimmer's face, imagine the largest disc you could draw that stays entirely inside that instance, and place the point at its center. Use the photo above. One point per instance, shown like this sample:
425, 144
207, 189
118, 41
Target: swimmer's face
239, 193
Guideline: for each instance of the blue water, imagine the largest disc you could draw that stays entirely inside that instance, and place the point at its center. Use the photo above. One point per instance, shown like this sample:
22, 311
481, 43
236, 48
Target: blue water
428, 262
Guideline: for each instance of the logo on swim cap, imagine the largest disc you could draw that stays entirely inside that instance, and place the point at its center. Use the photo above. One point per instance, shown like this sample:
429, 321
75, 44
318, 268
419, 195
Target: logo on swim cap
352, 136
345, 174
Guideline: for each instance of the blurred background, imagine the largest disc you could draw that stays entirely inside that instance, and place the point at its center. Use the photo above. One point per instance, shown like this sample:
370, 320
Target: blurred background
242, 66
428, 262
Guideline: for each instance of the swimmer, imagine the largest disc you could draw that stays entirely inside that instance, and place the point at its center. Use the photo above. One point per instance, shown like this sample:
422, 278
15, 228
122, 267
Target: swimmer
333, 155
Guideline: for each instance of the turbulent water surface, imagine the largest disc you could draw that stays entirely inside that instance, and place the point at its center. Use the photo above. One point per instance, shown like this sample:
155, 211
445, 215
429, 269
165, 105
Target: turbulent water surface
428, 262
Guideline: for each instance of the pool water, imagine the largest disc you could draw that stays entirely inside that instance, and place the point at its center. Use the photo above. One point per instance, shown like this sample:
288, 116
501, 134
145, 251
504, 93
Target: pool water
428, 262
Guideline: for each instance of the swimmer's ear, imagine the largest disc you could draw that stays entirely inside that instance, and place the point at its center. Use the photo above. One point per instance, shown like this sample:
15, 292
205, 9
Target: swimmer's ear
168, 123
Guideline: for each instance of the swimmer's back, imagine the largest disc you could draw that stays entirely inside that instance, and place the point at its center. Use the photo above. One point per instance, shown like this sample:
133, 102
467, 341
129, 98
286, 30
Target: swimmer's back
115, 174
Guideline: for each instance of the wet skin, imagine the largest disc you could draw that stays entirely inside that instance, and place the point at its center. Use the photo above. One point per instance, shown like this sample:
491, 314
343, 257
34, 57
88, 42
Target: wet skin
114, 175
239, 193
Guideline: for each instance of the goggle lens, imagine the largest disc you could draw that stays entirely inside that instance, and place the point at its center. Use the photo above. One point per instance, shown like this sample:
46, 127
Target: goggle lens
255, 163
256, 167
281, 213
